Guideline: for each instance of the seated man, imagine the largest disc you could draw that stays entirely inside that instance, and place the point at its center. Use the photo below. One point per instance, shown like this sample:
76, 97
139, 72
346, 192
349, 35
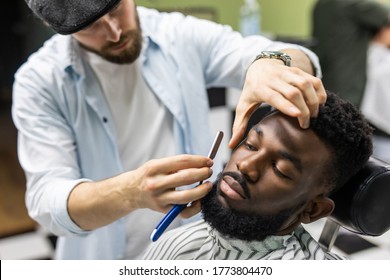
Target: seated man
279, 177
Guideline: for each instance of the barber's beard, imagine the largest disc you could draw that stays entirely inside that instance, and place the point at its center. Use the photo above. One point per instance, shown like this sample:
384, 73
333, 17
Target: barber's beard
239, 225
128, 55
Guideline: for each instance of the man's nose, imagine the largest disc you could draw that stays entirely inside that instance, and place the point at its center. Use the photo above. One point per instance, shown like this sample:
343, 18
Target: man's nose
112, 27
251, 166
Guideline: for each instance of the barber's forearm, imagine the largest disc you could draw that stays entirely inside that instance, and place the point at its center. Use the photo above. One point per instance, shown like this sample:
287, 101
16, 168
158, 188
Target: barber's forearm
95, 204
300, 60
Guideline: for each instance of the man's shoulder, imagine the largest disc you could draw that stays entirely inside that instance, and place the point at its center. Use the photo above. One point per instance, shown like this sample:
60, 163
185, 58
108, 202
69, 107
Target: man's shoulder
55, 47
52, 54
49, 61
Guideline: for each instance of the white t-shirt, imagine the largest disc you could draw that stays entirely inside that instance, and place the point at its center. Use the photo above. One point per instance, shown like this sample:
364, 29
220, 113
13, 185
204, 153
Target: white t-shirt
144, 130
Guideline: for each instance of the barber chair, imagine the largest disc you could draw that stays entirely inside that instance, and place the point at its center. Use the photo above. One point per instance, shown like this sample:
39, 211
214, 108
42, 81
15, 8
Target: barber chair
362, 205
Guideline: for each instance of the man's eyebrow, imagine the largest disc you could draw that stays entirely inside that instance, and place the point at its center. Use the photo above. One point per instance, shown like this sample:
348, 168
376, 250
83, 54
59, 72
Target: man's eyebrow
284, 154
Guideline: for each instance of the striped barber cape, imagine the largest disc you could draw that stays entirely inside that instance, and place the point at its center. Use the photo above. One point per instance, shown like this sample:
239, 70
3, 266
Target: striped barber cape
198, 241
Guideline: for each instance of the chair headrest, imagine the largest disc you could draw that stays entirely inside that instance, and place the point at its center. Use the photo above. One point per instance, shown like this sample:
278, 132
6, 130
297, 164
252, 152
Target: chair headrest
363, 203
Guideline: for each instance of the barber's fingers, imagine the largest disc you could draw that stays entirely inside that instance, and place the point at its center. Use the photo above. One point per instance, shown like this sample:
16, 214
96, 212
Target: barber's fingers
175, 163
309, 87
169, 173
149, 185
244, 110
294, 101
304, 91
183, 177
191, 210
169, 198
249, 102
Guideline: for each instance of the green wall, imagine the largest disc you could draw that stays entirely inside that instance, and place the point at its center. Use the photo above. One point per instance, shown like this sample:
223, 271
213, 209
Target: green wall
279, 17
223, 11
287, 17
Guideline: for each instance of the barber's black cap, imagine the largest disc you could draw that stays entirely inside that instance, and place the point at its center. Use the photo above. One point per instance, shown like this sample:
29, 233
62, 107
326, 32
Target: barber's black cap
69, 16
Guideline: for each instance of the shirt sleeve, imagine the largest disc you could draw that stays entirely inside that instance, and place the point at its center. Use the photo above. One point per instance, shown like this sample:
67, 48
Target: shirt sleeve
232, 52
224, 53
51, 172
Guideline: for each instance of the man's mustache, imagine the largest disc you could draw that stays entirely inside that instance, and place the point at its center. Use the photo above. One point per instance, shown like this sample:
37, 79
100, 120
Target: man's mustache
124, 37
239, 178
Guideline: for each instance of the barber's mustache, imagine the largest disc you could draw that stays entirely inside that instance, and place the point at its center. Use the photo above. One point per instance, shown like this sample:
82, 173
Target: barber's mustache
123, 38
239, 178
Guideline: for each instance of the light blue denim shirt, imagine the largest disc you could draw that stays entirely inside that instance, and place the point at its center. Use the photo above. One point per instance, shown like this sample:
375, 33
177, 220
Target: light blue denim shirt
66, 133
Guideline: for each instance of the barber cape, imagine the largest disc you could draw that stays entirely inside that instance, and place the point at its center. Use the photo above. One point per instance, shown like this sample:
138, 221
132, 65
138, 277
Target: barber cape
198, 241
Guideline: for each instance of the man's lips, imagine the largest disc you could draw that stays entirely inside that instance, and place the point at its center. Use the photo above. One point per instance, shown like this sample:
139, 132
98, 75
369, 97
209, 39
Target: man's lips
232, 189
121, 45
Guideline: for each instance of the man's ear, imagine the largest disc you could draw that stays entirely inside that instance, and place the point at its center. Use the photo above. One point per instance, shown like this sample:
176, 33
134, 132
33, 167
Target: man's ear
317, 208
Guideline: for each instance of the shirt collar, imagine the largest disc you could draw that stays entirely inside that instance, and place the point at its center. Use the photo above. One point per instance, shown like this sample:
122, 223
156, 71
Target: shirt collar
73, 62
69, 52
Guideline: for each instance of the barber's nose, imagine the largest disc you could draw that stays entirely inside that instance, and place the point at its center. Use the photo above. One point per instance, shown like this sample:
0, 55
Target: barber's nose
251, 166
113, 28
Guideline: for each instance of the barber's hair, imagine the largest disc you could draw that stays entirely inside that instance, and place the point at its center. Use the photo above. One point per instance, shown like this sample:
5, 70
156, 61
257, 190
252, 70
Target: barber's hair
345, 131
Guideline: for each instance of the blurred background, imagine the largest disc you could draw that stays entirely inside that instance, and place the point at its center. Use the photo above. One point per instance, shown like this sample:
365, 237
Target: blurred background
22, 34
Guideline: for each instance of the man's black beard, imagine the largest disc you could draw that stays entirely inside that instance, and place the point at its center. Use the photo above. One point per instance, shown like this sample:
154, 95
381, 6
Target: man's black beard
240, 225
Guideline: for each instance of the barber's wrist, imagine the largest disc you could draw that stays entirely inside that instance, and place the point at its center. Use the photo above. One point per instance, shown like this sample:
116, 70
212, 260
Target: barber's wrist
281, 56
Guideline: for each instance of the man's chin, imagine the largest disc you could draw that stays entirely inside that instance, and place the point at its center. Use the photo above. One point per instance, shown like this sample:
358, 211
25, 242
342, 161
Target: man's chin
239, 225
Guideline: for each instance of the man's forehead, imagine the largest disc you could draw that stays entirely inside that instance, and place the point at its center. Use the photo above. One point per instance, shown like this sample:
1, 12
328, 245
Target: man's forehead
275, 114
287, 130
280, 122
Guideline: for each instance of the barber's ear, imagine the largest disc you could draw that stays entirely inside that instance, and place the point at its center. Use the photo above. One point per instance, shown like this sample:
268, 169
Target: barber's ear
316, 209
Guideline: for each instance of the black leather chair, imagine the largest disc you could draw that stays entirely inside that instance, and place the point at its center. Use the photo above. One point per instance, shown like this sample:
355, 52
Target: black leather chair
362, 205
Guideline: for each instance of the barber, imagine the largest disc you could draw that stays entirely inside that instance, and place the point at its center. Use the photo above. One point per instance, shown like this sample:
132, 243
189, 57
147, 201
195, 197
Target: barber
112, 115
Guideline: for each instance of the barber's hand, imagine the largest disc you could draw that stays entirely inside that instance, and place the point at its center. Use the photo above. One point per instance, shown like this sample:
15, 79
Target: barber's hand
95, 204
289, 89
157, 180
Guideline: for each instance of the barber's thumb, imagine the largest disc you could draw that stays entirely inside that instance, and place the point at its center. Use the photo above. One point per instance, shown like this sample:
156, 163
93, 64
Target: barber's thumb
238, 132
192, 210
